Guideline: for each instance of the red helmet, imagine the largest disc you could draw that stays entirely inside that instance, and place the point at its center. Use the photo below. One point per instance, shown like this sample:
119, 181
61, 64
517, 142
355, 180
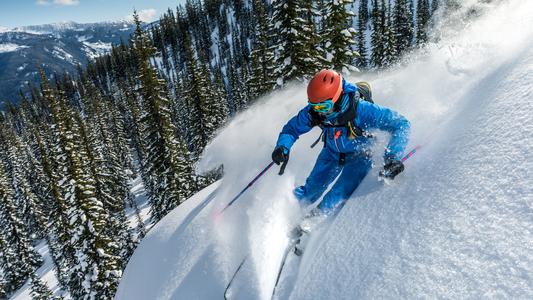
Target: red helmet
326, 84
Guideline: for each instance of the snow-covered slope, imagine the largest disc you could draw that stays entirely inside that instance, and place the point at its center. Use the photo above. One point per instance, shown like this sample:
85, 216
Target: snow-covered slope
456, 224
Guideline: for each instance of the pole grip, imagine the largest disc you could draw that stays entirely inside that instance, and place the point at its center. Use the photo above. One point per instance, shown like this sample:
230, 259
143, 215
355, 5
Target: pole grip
282, 169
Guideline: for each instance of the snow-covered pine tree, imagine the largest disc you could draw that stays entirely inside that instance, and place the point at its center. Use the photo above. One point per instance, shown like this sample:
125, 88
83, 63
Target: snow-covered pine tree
236, 44
390, 45
121, 143
363, 11
294, 59
238, 99
378, 34
166, 163
362, 60
198, 89
131, 112
58, 227
26, 201
29, 208
96, 272
422, 20
11, 223
123, 176
221, 113
180, 114
215, 108
224, 31
339, 36
3, 294
262, 56
403, 22
23, 257
35, 175
11, 278
244, 79
104, 168
310, 14
39, 288
93, 272
434, 6
97, 145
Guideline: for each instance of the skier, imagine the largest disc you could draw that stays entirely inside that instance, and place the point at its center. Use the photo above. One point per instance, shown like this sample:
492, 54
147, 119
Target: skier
347, 115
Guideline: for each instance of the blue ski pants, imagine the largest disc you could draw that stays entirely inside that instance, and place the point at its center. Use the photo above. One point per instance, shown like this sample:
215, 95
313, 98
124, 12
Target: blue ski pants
326, 169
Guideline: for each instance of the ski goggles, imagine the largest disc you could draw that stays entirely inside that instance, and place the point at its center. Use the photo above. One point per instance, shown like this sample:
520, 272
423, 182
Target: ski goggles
322, 107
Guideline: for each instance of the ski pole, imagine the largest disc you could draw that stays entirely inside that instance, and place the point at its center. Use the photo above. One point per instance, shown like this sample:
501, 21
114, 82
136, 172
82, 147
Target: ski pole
414, 150
217, 213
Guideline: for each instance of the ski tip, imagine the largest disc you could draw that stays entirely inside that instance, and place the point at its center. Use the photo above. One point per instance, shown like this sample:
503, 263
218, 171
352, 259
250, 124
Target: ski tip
215, 214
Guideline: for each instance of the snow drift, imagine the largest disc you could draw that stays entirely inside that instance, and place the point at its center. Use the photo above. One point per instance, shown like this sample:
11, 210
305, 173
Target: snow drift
456, 224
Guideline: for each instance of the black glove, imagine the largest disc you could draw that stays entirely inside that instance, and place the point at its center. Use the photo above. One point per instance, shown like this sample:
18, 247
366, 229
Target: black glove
391, 169
281, 155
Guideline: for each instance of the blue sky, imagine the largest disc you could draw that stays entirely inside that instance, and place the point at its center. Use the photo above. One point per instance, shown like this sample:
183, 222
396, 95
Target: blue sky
14, 13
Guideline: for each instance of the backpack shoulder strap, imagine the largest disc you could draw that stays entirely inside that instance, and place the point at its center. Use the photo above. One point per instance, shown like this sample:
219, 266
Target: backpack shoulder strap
316, 119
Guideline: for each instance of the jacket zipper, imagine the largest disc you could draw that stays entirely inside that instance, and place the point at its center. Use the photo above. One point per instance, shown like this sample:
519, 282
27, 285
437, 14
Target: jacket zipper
337, 134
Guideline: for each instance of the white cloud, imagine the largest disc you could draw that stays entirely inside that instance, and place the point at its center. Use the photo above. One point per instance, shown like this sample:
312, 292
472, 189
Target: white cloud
43, 3
66, 2
58, 2
145, 15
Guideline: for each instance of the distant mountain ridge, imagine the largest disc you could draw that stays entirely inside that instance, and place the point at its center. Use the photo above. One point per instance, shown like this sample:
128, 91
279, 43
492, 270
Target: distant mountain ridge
57, 47
68, 29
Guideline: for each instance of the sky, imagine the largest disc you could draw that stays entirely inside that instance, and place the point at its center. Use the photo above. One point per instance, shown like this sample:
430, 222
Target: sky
38, 12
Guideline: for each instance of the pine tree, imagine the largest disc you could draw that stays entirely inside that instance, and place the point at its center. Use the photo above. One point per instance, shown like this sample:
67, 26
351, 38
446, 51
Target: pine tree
422, 20
434, 6
123, 176
363, 11
166, 163
39, 288
215, 111
389, 39
403, 22
310, 34
338, 36
11, 278
58, 228
293, 56
378, 34
197, 89
239, 101
221, 112
104, 168
262, 56
3, 294
28, 204
54, 164
92, 271
96, 273
36, 178
23, 257
362, 61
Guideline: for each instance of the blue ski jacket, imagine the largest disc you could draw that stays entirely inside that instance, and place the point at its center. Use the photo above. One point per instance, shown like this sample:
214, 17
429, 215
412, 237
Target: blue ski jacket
369, 118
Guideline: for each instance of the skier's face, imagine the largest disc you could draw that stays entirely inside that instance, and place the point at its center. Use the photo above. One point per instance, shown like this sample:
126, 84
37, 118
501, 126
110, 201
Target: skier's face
328, 112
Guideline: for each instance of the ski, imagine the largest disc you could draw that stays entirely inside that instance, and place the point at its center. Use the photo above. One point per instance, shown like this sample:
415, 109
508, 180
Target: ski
296, 234
233, 277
